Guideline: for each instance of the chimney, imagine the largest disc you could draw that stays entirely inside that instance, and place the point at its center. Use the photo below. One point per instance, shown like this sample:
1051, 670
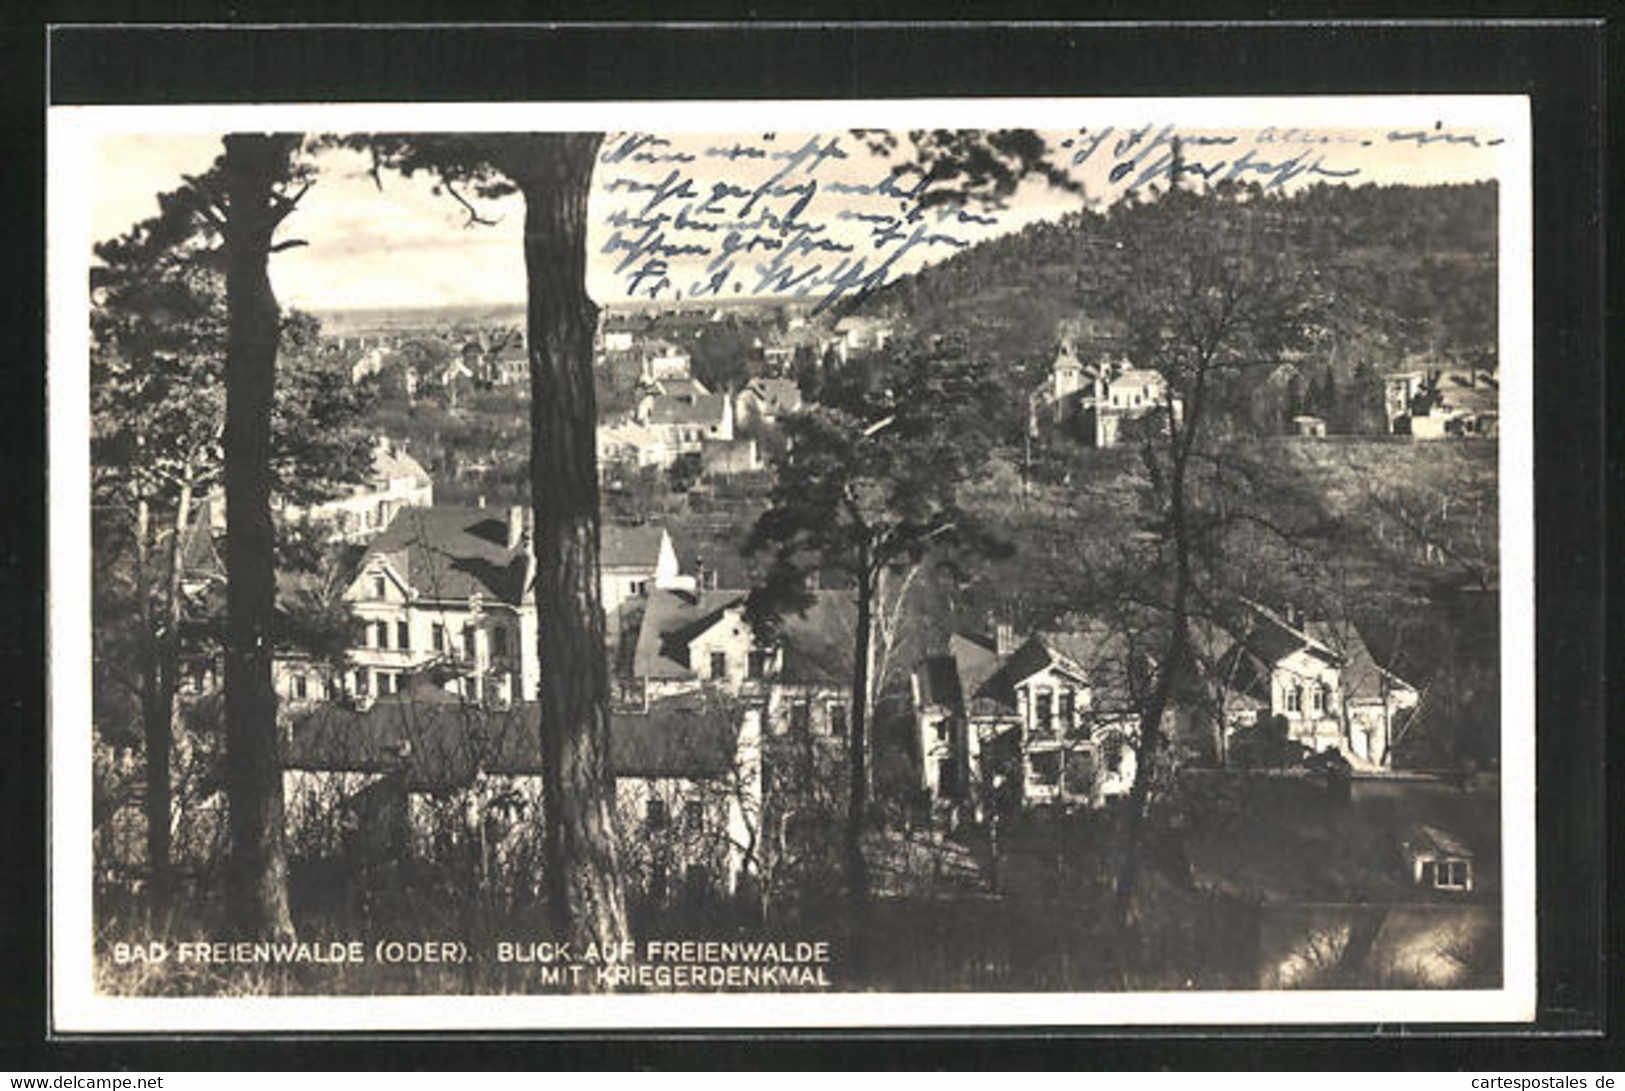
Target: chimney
516, 525
1004, 638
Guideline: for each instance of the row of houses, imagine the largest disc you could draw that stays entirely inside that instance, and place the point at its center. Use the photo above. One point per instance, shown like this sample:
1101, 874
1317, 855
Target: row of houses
679, 417
1053, 718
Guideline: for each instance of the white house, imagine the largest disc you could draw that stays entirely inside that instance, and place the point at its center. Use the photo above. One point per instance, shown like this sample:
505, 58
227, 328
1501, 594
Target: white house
360, 511
1131, 394
1047, 721
766, 400
684, 422
1319, 679
449, 593
693, 640
664, 360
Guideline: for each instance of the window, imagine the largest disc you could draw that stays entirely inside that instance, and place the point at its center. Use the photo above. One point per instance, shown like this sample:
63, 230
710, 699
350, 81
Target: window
499, 641
655, 815
379, 588
693, 816
437, 637
800, 716
403, 636
1448, 874
1069, 708
1294, 698
837, 720
1043, 712
757, 664
381, 633
468, 641
386, 683
1114, 754
719, 664
301, 690
361, 683
1046, 767
1317, 698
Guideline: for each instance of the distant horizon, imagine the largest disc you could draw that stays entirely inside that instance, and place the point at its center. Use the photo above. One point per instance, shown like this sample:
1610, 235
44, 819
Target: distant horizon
402, 245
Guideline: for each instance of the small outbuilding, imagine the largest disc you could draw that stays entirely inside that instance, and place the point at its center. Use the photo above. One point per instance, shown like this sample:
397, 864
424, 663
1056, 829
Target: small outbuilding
1436, 859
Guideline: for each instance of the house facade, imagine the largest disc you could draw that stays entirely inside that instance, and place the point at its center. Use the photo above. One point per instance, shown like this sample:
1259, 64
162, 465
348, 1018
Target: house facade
1316, 678
1130, 394
682, 423
664, 360
361, 511
765, 400
449, 593
700, 639
1045, 721
1434, 403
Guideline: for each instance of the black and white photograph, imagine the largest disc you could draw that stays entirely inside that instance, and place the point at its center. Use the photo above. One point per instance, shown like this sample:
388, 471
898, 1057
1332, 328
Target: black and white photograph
806, 563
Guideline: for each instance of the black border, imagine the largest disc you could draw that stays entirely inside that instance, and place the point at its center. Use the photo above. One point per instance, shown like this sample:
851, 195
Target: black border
1561, 65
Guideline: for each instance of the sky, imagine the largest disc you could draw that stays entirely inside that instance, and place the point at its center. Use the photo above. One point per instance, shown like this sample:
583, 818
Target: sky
404, 246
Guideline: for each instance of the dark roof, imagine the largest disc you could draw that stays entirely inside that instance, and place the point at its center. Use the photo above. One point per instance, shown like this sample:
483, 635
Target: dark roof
939, 682
454, 553
817, 643
671, 621
438, 741
704, 409
1266, 638
683, 386
629, 547
684, 736
975, 660
777, 395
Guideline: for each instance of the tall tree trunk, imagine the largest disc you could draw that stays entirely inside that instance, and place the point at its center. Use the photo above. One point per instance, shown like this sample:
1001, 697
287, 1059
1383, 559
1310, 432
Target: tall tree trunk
554, 173
160, 713
254, 164
155, 727
857, 872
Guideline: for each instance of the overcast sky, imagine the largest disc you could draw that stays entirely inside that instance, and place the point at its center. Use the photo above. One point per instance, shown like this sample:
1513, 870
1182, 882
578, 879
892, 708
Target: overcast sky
405, 246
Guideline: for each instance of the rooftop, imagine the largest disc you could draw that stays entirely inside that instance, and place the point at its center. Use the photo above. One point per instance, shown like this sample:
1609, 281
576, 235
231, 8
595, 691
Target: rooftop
438, 741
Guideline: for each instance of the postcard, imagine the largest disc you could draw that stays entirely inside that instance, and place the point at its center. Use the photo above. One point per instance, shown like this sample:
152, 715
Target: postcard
791, 564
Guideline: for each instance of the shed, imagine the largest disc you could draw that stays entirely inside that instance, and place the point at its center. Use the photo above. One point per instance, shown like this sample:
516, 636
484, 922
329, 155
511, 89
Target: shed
1437, 859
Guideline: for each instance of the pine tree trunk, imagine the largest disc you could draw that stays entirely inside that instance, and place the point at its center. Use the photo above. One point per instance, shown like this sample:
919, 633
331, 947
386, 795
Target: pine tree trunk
258, 880
155, 727
554, 173
160, 712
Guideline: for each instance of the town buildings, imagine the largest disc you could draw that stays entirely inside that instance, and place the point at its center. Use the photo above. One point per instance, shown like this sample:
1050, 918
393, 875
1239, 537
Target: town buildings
1099, 401
1316, 679
449, 593
697, 639
766, 400
424, 770
1434, 403
1044, 721
360, 511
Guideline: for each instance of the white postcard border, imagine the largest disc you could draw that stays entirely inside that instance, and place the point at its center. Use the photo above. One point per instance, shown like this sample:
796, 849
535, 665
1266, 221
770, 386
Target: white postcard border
76, 1008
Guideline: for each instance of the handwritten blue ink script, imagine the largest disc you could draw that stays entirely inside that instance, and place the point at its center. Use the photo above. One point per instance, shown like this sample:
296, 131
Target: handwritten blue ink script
824, 217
